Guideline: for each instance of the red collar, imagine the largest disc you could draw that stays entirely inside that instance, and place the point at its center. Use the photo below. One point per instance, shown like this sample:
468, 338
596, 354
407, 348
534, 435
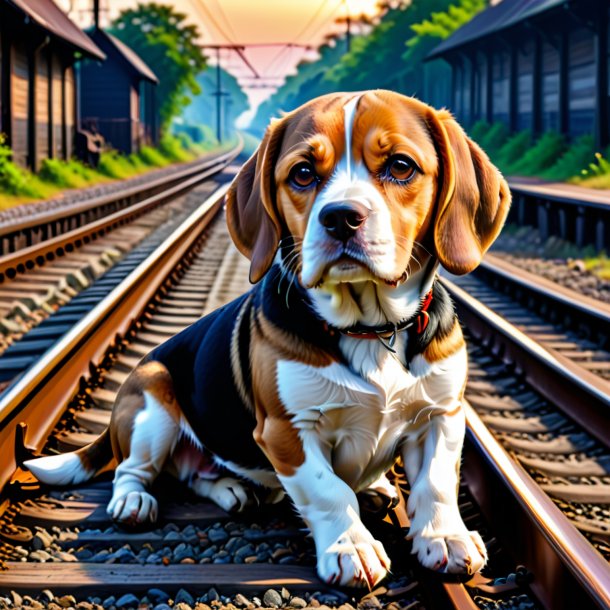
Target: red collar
388, 331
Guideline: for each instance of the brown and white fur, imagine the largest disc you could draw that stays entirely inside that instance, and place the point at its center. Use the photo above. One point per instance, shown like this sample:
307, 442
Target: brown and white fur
324, 415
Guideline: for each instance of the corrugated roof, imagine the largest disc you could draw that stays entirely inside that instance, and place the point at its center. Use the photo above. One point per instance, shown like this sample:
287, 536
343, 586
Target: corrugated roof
48, 15
128, 54
493, 19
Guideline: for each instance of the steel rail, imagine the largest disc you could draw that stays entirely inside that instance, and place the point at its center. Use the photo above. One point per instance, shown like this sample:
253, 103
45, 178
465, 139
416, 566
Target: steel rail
577, 304
40, 396
574, 196
49, 216
35, 255
561, 538
578, 393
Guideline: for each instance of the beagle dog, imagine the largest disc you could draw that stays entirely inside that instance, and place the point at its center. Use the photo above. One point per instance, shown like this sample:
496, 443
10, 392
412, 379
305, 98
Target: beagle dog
345, 355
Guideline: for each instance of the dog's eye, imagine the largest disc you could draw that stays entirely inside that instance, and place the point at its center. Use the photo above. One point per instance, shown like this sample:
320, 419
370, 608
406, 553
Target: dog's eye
400, 168
303, 175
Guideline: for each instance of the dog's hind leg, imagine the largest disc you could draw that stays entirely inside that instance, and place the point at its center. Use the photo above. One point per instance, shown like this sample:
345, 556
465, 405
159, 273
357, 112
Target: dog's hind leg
146, 428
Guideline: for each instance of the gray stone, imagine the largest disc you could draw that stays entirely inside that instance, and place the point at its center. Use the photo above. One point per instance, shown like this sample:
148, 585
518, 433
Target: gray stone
241, 600
184, 597
172, 535
17, 599
64, 556
287, 560
298, 602
213, 595
272, 598
83, 554
217, 535
157, 596
243, 552
127, 600
65, 601
40, 555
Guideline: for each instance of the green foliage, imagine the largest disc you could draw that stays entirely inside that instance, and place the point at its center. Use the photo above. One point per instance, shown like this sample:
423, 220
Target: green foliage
173, 150
513, 150
545, 152
379, 59
160, 36
478, 130
18, 185
577, 155
13, 179
115, 165
438, 26
152, 157
494, 139
597, 173
67, 174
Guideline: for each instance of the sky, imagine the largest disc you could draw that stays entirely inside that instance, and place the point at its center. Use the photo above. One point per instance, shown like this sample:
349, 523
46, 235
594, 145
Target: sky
237, 22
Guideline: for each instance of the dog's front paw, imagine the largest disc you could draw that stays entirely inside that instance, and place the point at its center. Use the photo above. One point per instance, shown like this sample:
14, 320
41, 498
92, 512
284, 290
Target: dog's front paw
133, 508
229, 493
355, 559
458, 553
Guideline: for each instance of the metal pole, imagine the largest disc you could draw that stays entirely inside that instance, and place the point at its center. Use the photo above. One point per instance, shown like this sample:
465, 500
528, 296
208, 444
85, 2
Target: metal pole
96, 13
348, 33
218, 100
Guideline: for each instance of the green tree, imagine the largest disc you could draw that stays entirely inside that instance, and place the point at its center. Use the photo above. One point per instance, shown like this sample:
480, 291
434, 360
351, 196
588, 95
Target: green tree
379, 59
160, 36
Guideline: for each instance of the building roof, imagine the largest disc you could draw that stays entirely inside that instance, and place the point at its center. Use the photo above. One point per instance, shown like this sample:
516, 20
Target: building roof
492, 20
49, 16
134, 61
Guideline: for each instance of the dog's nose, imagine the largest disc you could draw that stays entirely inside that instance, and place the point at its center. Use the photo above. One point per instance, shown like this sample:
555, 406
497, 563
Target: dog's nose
342, 220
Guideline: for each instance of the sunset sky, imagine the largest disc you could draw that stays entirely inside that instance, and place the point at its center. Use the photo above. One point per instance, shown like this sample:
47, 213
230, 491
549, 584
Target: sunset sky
250, 21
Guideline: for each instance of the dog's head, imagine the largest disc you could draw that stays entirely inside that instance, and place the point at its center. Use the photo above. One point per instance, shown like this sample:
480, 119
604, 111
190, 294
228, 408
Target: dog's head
363, 189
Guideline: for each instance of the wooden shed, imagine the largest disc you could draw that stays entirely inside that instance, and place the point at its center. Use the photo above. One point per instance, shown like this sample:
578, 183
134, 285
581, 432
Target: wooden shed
39, 47
539, 65
117, 96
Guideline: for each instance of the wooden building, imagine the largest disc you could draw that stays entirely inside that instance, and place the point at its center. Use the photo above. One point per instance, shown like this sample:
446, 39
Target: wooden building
39, 46
117, 96
540, 65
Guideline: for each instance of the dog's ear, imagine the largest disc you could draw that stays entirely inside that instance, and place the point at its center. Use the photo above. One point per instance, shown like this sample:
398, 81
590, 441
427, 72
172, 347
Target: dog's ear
473, 198
252, 215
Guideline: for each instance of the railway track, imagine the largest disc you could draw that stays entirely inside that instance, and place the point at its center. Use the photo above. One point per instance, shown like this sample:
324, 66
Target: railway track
194, 271
63, 541
47, 286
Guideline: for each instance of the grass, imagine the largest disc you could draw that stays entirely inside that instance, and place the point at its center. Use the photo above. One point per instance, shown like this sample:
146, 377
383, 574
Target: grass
550, 157
18, 186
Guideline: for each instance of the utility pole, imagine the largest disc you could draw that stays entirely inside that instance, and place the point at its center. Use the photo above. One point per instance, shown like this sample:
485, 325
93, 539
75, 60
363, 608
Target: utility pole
218, 100
348, 26
96, 14
239, 49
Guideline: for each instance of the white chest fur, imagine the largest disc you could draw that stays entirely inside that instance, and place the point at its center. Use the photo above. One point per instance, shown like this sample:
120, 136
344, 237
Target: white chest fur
358, 415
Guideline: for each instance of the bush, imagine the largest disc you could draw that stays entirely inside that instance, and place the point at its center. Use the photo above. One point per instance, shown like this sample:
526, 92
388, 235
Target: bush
478, 130
543, 155
577, 155
152, 157
513, 150
69, 174
494, 139
115, 165
171, 148
16, 181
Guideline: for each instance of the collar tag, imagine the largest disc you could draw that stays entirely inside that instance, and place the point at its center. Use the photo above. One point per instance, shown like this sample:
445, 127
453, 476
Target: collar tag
388, 342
